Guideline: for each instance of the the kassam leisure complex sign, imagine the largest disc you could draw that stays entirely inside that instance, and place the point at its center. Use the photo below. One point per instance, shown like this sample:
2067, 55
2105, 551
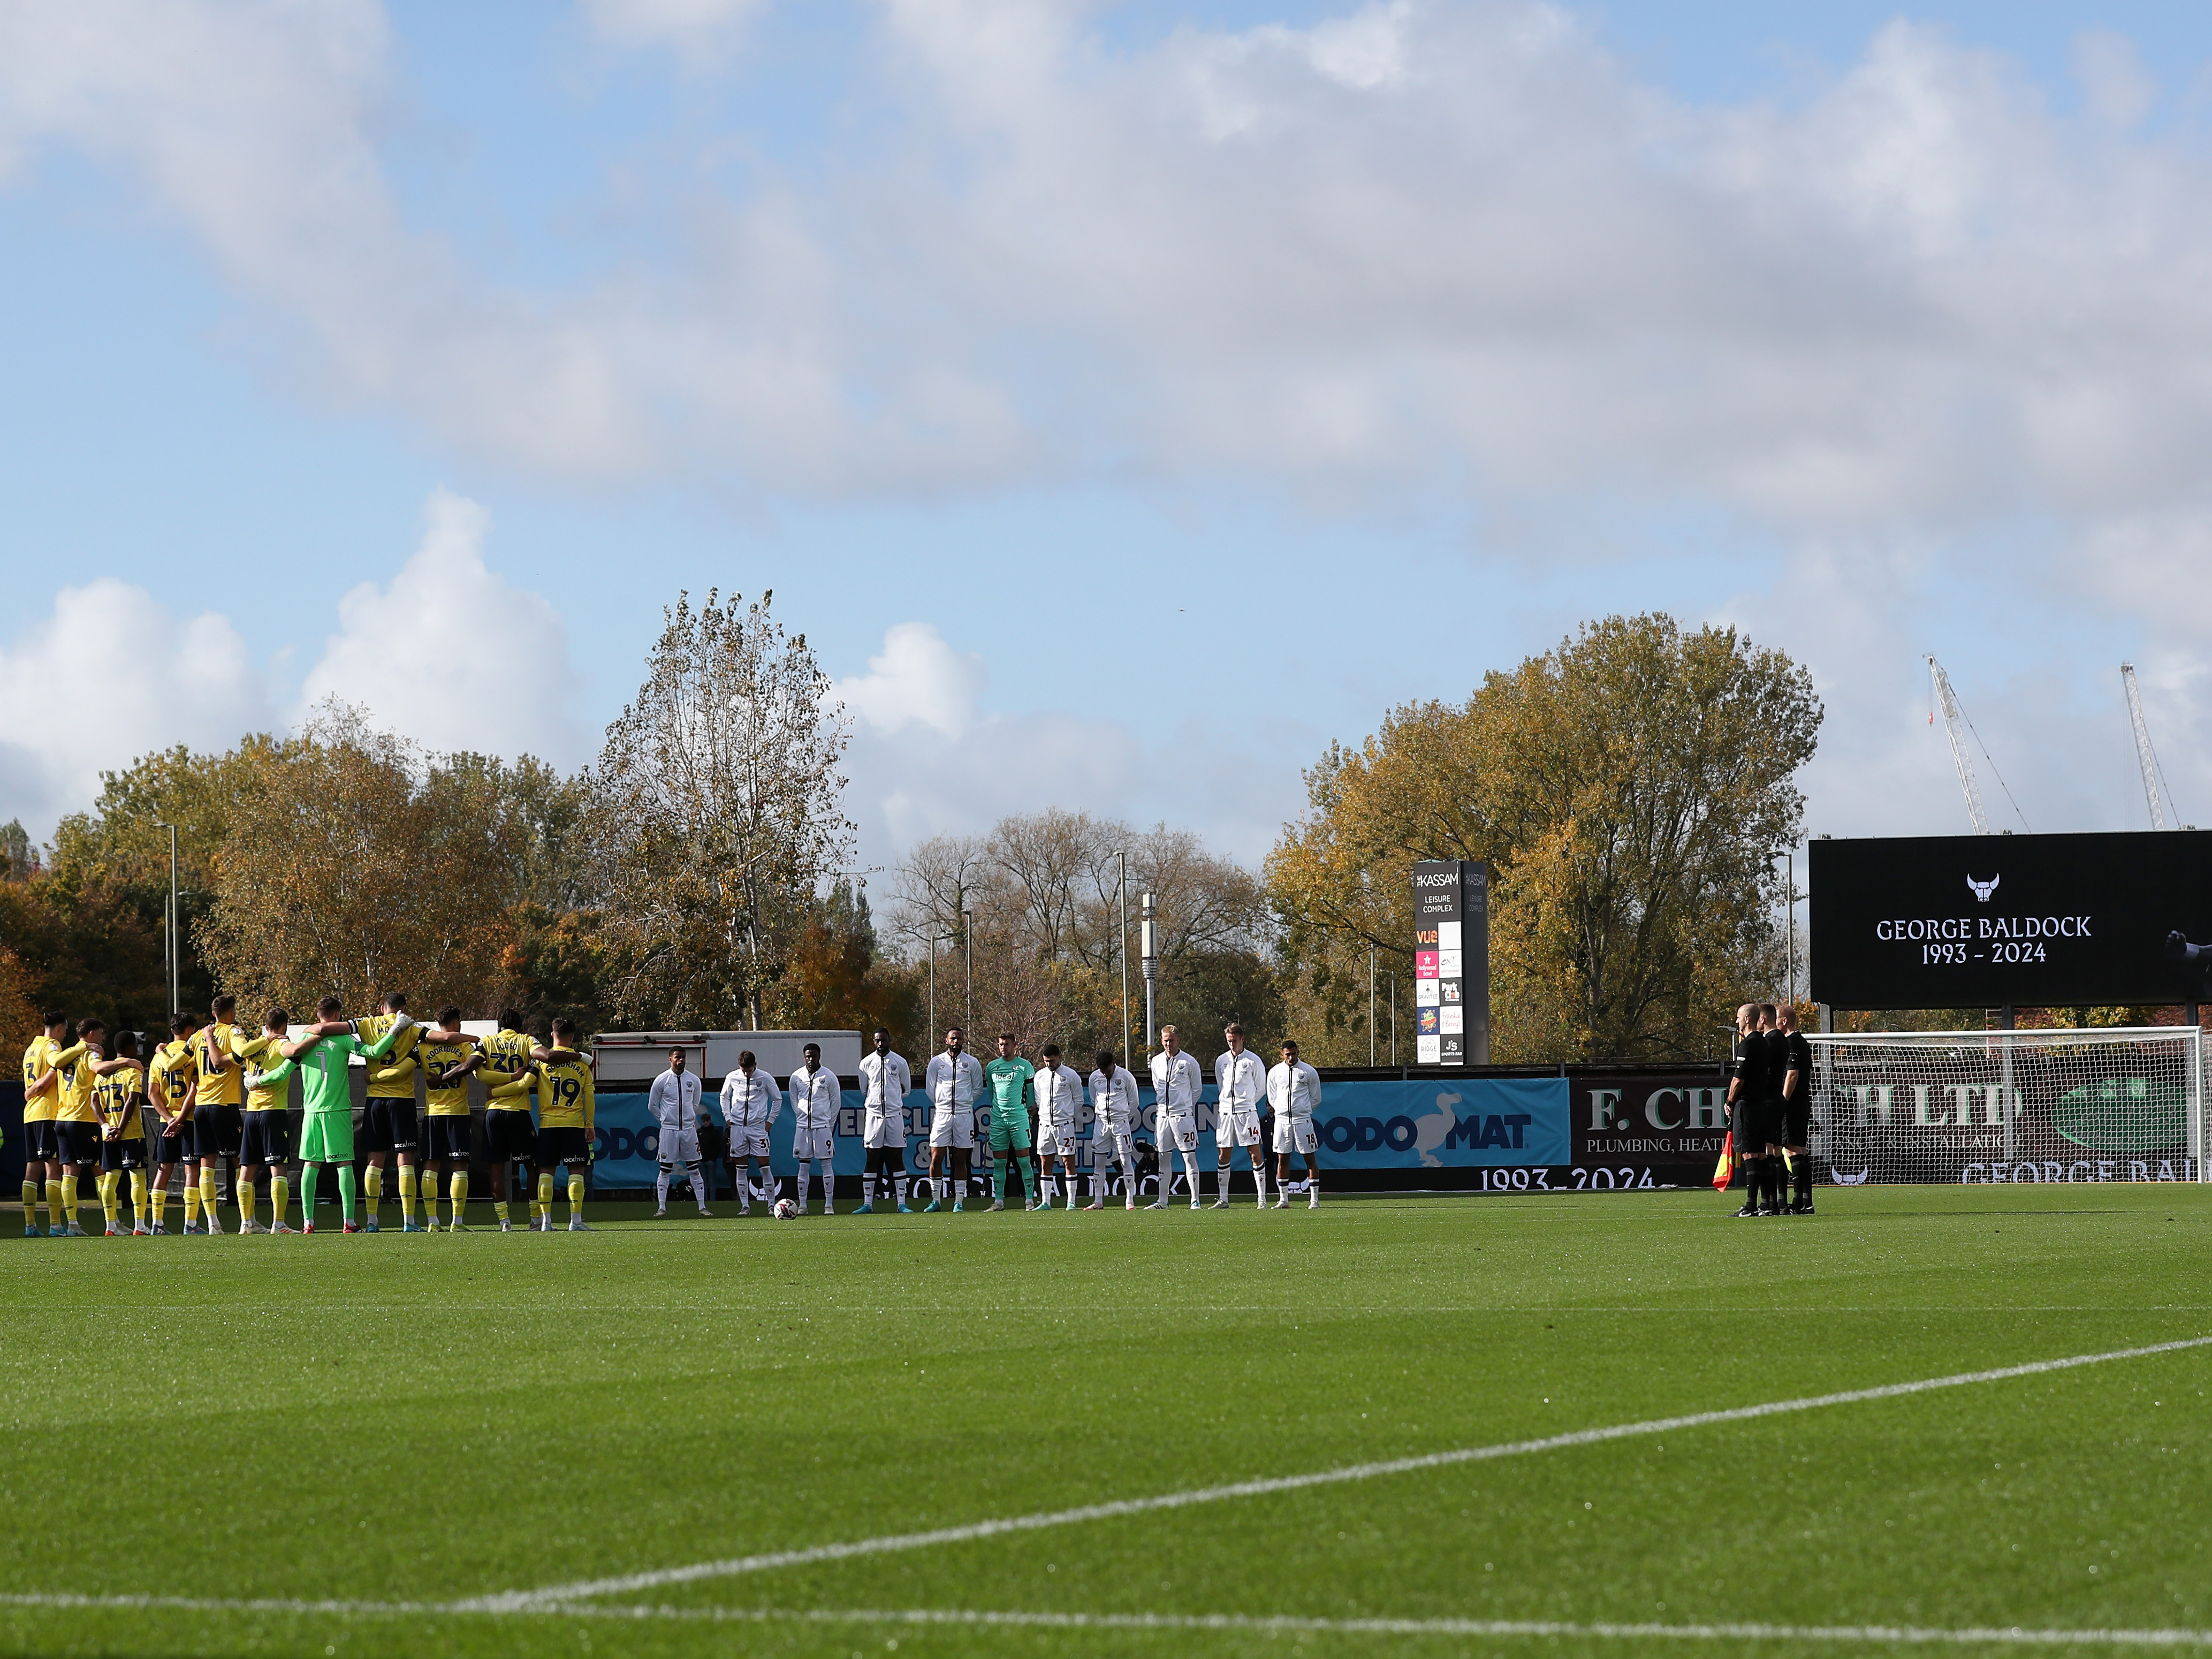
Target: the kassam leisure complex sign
1451, 962
1994, 921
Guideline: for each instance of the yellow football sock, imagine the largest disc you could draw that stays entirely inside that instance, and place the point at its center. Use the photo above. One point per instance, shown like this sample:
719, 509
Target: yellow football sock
54, 1203
575, 1196
30, 1204
545, 1204
69, 1198
373, 1189
457, 1189
160, 1201
499, 1209
243, 1190
280, 1197
208, 1211
409, 1189
105, 1185
192, 1201
138, 1195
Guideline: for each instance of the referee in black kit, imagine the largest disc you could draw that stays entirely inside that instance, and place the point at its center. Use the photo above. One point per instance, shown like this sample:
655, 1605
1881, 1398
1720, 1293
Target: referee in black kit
1794, 1066
1748, 1106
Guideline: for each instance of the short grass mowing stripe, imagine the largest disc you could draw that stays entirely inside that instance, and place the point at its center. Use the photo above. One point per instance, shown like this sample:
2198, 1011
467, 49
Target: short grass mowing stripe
630, 1584
1858, 1635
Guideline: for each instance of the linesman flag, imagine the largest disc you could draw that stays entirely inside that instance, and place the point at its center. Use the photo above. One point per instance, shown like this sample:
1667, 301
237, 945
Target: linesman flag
1724, 1171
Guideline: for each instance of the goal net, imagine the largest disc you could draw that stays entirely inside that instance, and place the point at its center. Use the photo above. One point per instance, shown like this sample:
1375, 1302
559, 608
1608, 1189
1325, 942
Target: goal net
2123, 1104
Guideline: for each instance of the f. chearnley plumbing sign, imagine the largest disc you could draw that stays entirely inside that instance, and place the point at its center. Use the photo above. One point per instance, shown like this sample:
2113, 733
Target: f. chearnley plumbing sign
1987, 922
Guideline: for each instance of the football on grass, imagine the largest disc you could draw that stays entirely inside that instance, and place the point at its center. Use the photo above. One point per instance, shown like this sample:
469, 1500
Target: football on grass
785, 1209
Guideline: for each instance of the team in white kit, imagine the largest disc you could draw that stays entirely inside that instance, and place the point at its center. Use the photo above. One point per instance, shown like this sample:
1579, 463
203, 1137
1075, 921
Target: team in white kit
954, 1083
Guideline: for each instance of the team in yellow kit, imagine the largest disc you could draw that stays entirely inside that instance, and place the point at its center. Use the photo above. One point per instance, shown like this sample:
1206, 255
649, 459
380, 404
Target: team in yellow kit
188, 1108
118, 1097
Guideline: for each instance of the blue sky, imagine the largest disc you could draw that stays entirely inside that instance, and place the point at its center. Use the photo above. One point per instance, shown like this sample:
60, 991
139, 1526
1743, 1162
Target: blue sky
1127, 401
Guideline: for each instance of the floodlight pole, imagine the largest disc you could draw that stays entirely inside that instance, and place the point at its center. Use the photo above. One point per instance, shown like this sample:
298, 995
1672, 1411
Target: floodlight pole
968, 931
175, 1001
1148, 943
1370, 1005
1392, 979
933, 982
1121, 856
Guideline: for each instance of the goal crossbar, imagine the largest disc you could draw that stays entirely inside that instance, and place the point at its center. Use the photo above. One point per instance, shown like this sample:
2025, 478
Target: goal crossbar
2044, 1104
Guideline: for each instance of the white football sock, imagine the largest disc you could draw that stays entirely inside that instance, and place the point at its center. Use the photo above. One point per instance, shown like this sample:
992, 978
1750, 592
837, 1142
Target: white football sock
899, 1182
660, 1186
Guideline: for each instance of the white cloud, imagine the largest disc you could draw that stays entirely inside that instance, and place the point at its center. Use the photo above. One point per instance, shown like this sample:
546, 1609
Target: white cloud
699, 30
447, 653
928, 759
451, 656
111, 674
1412, 241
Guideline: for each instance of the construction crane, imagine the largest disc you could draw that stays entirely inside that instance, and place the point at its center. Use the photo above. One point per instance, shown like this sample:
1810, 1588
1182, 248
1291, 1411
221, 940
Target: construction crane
1954, 726
2146, 756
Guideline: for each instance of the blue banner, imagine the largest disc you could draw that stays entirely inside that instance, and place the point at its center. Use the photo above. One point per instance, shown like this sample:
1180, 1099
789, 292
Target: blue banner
1431, 1123
1436, 1124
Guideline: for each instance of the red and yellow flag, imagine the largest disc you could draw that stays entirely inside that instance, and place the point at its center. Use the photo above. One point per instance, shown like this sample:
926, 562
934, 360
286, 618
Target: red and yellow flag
1724, 1171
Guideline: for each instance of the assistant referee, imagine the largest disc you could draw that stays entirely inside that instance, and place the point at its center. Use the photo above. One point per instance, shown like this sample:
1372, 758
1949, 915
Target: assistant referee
1747, 1107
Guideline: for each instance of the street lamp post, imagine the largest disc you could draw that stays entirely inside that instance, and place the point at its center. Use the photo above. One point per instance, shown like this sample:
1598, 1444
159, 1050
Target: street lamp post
1370, 1005
174, 999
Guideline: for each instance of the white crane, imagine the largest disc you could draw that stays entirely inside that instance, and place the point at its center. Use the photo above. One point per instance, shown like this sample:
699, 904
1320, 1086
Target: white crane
2146, 756
1954, 725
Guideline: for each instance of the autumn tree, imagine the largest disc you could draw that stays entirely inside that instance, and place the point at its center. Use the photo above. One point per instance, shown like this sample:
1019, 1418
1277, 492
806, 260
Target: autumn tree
1630, 789
356, 864
717, 815
1041, 893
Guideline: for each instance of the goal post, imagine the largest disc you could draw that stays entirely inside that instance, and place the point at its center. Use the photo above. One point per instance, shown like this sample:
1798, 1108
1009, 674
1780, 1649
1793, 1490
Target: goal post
2123, 1103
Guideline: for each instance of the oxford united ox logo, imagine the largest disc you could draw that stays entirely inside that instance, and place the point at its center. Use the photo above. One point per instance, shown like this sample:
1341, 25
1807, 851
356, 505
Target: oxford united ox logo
1983, 888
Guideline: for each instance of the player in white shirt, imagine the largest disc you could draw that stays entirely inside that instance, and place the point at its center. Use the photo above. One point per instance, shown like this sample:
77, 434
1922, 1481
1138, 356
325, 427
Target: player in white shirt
750, 1102
1294, 1091
1241, 1086
1116, 1105
885, 1080
1177, 1085
955, 1084
1059, 1093
674, 1103
815, 1096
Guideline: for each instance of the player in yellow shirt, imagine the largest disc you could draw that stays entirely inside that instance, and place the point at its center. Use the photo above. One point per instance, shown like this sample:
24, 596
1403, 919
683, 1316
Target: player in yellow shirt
264, 1140
567, 1106
447, 1055
392, 1131
117, 1097
510, 1138
76, 1119
216, 1119
43, 1061
171, 1080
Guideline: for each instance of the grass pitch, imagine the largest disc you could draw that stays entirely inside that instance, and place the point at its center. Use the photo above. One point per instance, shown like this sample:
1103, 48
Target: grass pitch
422, 1421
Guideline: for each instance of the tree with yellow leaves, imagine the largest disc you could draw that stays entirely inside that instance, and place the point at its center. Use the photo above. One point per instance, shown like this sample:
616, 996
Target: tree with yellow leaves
1630, 790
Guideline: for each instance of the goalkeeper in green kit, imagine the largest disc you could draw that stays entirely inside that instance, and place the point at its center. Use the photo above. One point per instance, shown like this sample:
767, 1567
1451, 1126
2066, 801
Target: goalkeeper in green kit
326, 1133
1008, 1080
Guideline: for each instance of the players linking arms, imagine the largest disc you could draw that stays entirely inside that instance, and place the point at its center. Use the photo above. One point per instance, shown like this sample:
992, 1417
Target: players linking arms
171, 1083
326, 1132
567, 1106
117, 1097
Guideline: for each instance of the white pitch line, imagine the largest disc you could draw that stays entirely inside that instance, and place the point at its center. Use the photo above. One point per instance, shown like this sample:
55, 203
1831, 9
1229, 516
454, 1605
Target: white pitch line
2007, 1636
520, 1600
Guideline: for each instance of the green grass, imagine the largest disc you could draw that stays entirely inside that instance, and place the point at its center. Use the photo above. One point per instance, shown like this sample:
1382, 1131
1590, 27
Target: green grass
424, 1419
